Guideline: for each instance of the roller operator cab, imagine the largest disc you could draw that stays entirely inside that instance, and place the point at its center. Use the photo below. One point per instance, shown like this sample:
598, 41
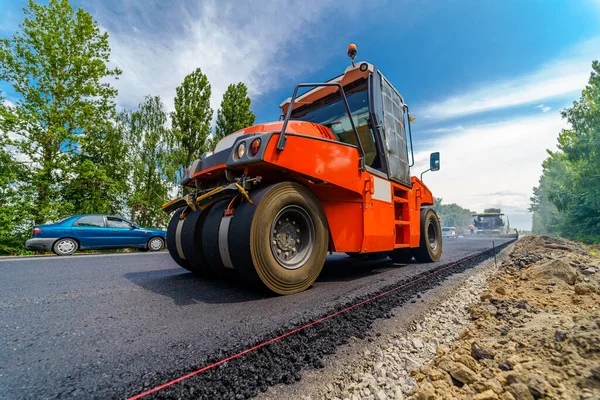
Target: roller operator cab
332, 175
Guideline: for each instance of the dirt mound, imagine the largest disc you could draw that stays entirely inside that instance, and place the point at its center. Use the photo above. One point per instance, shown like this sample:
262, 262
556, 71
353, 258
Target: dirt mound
551, 271
534, 335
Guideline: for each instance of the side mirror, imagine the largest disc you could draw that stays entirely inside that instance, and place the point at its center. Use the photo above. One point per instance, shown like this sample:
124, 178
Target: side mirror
434, 161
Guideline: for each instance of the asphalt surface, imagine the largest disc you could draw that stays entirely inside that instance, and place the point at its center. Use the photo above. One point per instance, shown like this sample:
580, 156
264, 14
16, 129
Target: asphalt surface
111, 326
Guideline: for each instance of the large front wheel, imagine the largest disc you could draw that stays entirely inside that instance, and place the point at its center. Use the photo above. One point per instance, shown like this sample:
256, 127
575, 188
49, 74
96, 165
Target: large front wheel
282, 239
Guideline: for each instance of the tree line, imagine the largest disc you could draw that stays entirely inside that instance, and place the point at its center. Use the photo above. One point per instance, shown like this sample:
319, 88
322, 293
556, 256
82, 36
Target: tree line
567, 200
452, 214
66, 149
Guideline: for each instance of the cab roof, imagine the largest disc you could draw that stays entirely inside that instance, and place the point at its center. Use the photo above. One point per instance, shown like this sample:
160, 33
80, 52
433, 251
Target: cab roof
350, 75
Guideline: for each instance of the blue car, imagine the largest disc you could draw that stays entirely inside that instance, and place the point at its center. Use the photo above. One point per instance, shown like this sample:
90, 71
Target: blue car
93, 231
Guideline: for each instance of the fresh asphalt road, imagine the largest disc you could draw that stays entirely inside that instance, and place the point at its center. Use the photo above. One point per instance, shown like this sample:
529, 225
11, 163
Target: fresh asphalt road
74, 327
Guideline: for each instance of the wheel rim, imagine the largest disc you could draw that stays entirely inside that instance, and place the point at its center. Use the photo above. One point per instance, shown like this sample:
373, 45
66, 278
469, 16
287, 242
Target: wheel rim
292, 237
66, 246
431, 235
155, 244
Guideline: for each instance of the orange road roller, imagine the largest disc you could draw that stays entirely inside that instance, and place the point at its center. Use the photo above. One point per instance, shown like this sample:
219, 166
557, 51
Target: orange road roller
333, 175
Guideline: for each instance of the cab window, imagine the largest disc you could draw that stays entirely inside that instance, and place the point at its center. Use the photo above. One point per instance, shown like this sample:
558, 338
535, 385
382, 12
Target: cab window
330, 112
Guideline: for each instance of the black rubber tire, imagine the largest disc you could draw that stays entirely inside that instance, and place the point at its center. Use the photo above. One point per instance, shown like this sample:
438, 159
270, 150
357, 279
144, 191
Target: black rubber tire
210, 239
250, 237
400, 256
155, 238
191, 242
172, 241
431, 232
58, 252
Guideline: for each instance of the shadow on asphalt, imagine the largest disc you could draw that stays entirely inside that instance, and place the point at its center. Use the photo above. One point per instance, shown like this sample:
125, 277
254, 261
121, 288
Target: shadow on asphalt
341, 268
186, 288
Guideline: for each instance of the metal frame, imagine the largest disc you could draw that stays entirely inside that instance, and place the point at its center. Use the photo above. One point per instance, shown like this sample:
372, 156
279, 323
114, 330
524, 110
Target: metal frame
282, 138
375, 92
412, 154
377, 79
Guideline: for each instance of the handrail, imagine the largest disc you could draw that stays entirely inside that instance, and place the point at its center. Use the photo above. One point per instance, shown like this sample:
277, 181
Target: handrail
412, 154
282, 138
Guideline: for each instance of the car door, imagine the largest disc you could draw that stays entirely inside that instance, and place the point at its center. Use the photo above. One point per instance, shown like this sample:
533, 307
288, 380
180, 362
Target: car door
124, 233
90, 231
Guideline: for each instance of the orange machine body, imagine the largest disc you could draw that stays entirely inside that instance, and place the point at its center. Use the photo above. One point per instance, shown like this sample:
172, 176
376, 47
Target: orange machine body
365, 212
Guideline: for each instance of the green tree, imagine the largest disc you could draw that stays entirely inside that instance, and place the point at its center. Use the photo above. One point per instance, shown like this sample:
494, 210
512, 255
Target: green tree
235, 113
571, 176
57, 64
102, 172
452, 214
15, 205
547, 220
149, 143
191, 119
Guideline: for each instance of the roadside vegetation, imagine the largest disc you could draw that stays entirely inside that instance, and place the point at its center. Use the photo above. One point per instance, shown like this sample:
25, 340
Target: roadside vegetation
66, 148
567, 200
453, 214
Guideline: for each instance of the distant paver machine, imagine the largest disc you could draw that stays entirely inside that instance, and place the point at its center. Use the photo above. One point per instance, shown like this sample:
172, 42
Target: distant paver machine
332, 175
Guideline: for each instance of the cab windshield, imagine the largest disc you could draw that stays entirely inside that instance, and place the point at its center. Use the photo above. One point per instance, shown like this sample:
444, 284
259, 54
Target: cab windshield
330, 112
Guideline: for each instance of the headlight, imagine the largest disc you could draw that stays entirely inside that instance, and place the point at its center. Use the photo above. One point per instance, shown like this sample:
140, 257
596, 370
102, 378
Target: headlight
241, 150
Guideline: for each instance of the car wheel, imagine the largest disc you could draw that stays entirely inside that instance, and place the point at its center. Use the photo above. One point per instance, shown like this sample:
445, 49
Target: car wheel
155, 244
65, 247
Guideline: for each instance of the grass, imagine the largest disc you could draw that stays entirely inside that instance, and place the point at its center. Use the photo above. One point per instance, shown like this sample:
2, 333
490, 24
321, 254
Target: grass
594, 250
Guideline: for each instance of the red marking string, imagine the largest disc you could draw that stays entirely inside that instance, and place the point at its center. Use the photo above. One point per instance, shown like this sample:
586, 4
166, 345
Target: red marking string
258, 346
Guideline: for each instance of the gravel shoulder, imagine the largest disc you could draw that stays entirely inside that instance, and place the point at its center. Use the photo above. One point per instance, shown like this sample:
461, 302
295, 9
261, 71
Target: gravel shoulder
535, 333
379, 365
525, 328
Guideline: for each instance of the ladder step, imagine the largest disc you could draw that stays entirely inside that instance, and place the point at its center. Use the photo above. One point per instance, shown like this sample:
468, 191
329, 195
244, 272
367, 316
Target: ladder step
402, 222
400, 200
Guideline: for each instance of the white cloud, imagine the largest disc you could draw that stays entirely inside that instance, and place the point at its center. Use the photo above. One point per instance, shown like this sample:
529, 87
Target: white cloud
494, 165
564, 76
544, 108
255, 43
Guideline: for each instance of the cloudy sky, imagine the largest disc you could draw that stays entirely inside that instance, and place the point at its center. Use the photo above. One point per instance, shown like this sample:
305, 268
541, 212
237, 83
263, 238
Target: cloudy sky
485, 80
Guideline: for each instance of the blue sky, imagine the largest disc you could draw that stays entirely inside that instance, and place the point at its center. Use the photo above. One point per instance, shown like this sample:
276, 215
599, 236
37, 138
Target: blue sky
485, 80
